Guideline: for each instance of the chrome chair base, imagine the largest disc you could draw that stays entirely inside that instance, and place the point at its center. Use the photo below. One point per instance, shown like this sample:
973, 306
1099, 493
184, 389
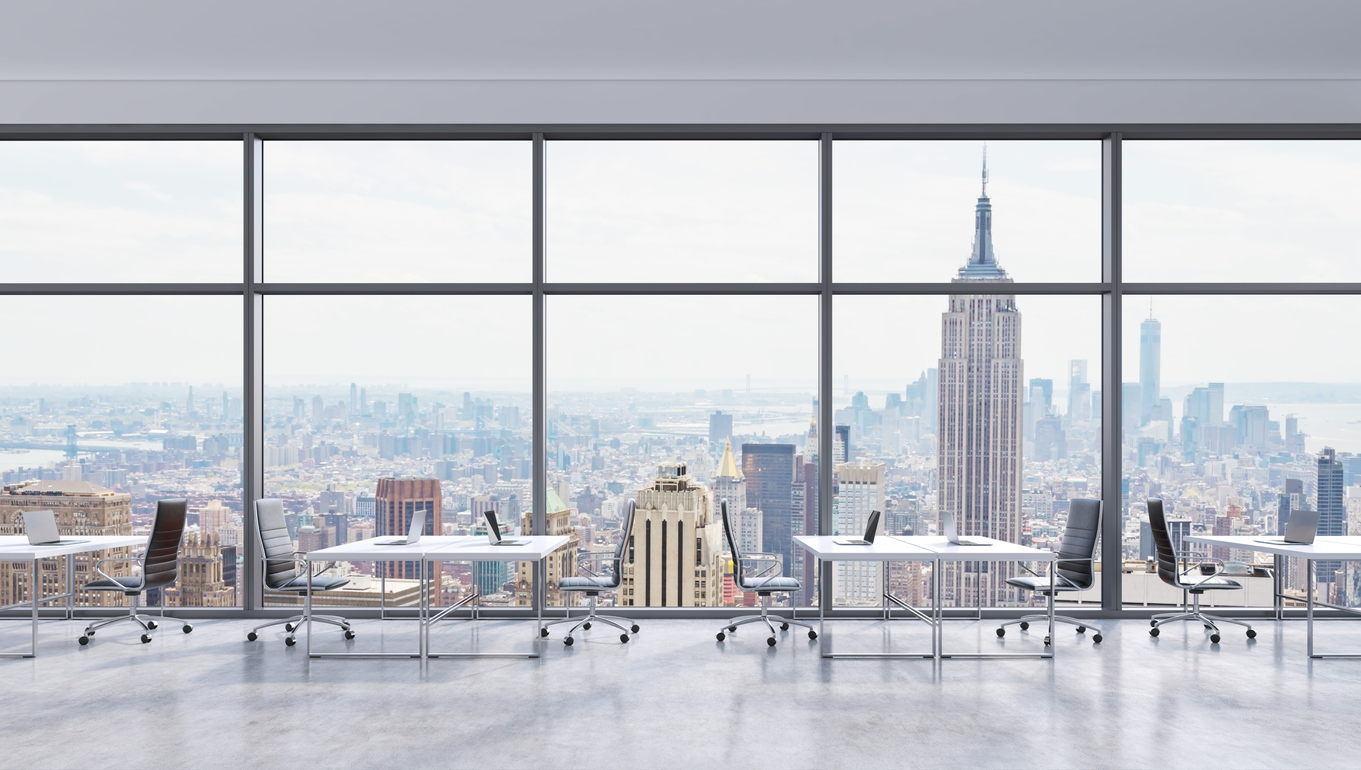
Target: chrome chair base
623, 624
764, 617
147, 622
1211, 622
294, 623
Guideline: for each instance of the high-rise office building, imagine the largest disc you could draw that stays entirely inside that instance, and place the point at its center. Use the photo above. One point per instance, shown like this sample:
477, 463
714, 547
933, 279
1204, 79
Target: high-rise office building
81, 508
1079, 394
980, 424
1291, 500
769, 470
720, 429
202, 582
859, 491
729, 484
561, 563
677, 555
354, 400
841, 443
395, 503
1332, 511
1150, 367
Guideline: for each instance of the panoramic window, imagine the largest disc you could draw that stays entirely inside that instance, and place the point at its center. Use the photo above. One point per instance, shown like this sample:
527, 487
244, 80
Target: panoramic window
904, 210
120, 212
681, 403
384, 212
682, 211
380, 409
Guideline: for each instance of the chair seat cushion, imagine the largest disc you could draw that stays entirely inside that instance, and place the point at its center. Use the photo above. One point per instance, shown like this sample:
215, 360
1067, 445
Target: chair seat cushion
131, 584
587, 582
319, 583
1189, 579
772, 583
1041, 584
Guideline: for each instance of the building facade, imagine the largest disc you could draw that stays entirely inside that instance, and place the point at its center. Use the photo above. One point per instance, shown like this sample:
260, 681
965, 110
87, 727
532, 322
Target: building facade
561, 563
677, 554
769, 470
859, 491
395, 503
81, 508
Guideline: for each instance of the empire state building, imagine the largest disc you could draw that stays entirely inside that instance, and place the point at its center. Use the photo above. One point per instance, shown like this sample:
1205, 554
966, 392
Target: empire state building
979, 412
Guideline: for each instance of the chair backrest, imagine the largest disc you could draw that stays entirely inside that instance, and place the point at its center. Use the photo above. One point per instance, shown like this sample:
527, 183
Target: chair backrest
275, 542
1162, 542
1079, 542
625, 532
161, 563
728, 530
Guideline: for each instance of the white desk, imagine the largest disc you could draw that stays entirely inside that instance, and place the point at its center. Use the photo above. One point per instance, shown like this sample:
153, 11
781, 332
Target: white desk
998, 551
370, 550
1323, 549
17, 548
474, 549
885, 549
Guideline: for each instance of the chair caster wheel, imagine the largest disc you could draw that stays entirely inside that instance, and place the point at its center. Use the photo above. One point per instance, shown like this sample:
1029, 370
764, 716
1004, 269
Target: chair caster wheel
1082, 629
1214, 638
543, 632
623, 638
784, 626
84, 640
812, 634
290, 641
1096, 638
151, 624
1252, 634
771, 641
349, 634
1024, 625
568, 641
1153, 623
146, 639
634, 628
289, 627
732, 629
721, 636
252, 636
186, 628
1153, 631
586, 626
1001, 632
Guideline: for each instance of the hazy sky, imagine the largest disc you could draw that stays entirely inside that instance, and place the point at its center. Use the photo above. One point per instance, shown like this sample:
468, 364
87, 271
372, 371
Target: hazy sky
698, 211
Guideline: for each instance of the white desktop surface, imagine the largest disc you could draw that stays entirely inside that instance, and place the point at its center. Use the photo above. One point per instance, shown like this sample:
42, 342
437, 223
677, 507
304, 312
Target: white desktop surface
1329, 548
17, 547
370, 550
1000, 550
477, 548
884, 548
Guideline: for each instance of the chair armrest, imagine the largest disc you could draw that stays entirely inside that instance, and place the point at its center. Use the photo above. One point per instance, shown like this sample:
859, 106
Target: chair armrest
771, 564
114, 558
1219, 564
584, 560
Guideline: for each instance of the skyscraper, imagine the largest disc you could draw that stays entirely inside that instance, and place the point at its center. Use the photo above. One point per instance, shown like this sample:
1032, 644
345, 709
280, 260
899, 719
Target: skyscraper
676, 559
769, 469
1150, 366
395, 503
979, 419
1332, 512
720, 429
859, 490
729, 484
1079, 393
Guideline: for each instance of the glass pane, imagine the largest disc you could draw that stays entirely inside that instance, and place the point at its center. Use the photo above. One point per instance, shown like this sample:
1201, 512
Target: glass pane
710, 399
682, 211
1243, 412
1241, 211
911, 210
370, 420
984, 407
111, 404
376, 212
126, 212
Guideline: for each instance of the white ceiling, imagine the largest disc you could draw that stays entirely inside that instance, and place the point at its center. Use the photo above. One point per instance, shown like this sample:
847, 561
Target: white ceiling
252, 43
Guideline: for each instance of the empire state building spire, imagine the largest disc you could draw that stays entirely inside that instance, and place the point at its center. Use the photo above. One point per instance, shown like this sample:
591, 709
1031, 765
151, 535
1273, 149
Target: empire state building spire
982, 265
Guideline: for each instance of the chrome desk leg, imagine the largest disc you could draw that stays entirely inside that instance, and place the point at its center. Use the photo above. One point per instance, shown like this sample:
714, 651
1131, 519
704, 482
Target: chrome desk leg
307, 606
36, 596
1278, 585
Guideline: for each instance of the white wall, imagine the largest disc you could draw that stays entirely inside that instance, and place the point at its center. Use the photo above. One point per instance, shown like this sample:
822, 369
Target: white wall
641, 61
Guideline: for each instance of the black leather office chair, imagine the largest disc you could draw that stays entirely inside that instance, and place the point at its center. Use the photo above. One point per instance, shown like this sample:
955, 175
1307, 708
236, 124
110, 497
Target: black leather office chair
160, 566
286, 572
1189, 579
762, 582
592, 584
1074, 570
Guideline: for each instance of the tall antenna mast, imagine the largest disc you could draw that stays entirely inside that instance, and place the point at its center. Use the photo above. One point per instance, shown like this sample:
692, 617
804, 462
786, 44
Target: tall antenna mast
985, 169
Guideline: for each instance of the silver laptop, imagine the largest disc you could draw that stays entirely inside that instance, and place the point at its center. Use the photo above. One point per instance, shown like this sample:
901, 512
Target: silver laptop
870, 530
41, 528
413, 536
494, 532
947, 522
1300, 530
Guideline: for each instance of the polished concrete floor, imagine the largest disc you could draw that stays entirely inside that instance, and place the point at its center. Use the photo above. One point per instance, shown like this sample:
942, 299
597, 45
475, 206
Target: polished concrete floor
674, 697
